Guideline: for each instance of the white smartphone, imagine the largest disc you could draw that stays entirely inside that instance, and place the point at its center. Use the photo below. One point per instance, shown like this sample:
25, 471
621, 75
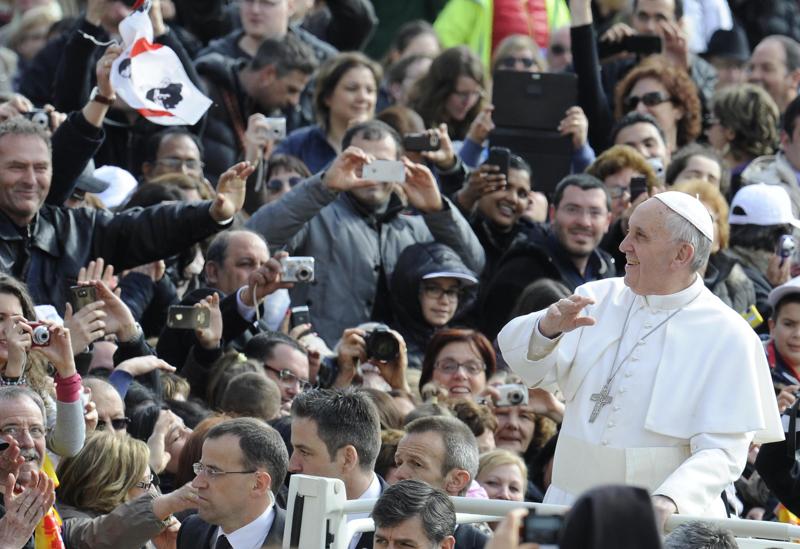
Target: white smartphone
385, 171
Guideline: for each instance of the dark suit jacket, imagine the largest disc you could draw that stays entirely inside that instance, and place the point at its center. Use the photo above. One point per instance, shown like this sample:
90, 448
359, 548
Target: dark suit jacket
365, 541
469, 537
195, 533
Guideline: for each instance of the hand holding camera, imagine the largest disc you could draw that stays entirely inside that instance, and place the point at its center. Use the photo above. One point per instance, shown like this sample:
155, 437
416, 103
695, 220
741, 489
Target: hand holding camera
381, 346
440, 150
210, 336
510, 533
54, 345
485, 180
265, 280
17, 334
260, 137
421, 188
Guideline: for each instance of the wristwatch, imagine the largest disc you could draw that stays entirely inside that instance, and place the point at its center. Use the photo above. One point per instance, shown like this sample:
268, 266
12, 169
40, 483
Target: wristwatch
100, 98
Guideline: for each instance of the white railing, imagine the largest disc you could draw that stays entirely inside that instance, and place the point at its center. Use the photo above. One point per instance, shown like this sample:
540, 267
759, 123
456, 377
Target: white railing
317, 511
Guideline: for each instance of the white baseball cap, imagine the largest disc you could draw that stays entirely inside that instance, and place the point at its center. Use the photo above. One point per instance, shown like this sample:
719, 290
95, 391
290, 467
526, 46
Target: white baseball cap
791, 287
762, 204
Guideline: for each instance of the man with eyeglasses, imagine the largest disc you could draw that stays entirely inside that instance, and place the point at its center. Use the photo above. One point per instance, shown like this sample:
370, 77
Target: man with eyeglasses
568, 252
242, 466
559, 52
110, 407
174, 150
23, 427
285, 362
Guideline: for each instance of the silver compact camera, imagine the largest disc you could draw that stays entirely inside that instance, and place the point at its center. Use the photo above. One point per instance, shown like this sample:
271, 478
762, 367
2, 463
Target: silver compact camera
275, 128
297, 269
512, 394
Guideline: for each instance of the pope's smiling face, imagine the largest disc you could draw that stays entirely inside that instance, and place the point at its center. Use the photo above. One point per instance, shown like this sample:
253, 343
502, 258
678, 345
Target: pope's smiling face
650, 252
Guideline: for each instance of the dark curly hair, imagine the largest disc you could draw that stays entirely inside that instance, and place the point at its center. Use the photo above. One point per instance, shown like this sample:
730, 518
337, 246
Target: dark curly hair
429, 94
680, 87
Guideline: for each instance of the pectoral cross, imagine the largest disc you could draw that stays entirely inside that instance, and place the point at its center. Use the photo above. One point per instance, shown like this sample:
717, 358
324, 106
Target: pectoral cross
600, 399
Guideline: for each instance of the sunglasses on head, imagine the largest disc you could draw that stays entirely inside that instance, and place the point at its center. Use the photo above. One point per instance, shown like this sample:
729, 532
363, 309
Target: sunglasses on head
650, 99
510, 62
276, 185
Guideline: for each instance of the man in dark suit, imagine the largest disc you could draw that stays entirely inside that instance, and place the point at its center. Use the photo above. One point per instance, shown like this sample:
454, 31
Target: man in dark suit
442, 452
412, 514
243, 463
337, 434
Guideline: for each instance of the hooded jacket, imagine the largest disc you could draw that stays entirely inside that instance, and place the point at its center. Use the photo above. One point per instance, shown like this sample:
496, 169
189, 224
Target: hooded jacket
414, 263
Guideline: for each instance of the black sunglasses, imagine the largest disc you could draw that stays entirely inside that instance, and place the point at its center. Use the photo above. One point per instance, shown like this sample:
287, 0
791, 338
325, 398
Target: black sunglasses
276, 185
558, 49
117, 424
509, 62
651, 99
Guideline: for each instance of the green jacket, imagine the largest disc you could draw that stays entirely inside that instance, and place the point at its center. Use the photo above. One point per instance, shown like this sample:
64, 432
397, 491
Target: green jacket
470, 22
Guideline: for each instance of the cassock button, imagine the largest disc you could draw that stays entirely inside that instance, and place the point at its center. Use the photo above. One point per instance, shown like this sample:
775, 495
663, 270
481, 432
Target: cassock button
634, 358
616, 407
640, 342
628, 374
604, 442
622, 389
610, 424
648, 326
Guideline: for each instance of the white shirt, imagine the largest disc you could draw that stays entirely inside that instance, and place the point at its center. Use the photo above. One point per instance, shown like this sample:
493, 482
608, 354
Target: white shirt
253, 534
373, 491
681, 387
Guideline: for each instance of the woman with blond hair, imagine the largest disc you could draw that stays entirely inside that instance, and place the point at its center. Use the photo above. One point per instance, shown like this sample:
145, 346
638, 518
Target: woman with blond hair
503, 475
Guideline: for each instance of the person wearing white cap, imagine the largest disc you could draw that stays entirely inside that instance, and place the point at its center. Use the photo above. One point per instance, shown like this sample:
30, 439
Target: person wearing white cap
649, 365
761, 223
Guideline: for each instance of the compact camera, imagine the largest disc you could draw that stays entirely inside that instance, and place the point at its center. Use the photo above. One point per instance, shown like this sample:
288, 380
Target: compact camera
542, 529
385, 171
419, 142
276, 128
381, 344
786, 246
40, 336
40, 117
512, 394
297, 269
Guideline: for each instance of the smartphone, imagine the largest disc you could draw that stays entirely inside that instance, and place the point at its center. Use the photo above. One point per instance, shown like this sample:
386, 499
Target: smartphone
385, 171
542, 529
640, 44
638, 186
500, 157
300, 315
181, 317
80, 296
424, 141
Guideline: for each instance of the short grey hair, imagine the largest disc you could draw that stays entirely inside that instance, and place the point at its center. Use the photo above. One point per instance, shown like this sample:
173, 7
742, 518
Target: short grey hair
18, 392
409, 498
700, 535
460, 445
682, 230
19, 125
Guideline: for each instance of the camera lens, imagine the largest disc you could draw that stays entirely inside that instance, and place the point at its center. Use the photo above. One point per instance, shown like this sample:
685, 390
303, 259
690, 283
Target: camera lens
40, 335
382, 345
303, 274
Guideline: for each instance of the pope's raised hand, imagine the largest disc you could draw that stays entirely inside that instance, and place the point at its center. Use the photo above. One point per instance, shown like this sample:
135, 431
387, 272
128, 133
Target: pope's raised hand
566, 315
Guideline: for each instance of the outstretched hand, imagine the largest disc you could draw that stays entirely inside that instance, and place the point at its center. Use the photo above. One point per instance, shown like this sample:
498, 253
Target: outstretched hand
566, 315
231, 192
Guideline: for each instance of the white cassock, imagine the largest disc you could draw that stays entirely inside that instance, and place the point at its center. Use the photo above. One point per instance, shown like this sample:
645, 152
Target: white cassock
687, 402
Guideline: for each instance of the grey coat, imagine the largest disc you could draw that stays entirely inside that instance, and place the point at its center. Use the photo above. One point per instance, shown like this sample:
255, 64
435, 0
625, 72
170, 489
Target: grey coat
350, 248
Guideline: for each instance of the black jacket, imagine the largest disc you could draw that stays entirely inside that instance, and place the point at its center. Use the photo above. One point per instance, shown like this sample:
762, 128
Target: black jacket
195, 533
48, 253
415, 262
528, 262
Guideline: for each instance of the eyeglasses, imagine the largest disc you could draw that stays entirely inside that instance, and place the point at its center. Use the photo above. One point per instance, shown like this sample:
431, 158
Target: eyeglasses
276, 185
175, 163
212, 472
265, 3
433, 291
577, 211
146, 485
118, 424
450, 366
35, 432
650, 99
558, 49
510, 62
468, 95
286, 376
618, 192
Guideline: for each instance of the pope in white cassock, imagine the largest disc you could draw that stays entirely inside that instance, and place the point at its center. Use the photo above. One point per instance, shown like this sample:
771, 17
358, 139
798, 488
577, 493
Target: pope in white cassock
665, 386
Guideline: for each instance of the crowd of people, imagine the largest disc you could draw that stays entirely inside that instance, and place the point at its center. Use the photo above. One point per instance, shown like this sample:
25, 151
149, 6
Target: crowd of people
191, 314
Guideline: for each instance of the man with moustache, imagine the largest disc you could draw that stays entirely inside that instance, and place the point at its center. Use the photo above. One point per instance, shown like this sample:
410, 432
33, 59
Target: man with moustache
567, 252
357, 228
132, 524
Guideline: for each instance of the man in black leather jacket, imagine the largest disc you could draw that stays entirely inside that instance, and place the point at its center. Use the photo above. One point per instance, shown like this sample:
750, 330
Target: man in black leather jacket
45, 245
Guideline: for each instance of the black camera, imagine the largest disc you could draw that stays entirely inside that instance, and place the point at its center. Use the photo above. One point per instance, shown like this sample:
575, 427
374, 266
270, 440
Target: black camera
381, 344
542, 529
421, 142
